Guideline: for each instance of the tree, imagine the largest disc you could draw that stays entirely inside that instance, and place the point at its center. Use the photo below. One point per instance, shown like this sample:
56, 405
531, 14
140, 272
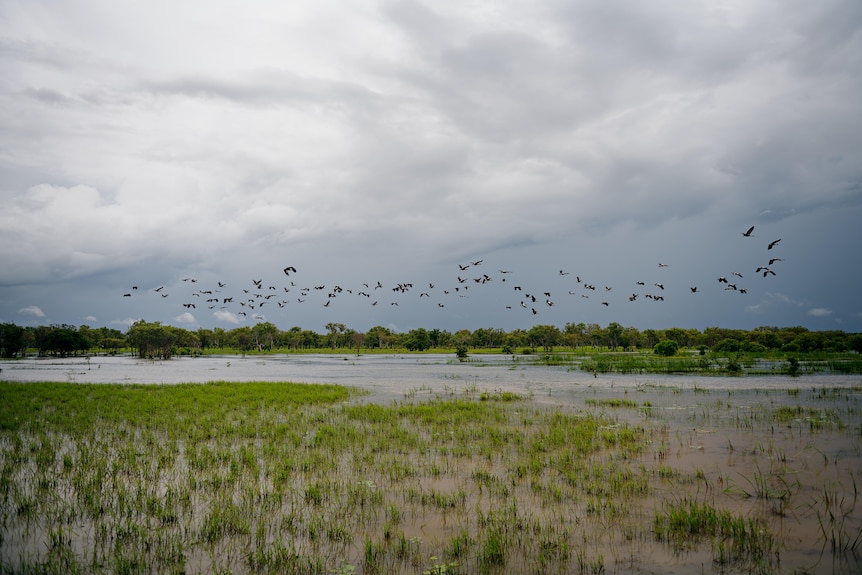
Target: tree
334, 330
243, 338
378, 337
546, 336
293, 337
64, 341
265, 335
593, 333
152, 340
11, 340
434, 335
418, 340
356, 339
206, 338
462, 337
614, 332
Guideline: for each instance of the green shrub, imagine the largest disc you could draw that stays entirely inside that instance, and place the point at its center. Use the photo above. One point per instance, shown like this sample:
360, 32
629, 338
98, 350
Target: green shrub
667, 348
727, 345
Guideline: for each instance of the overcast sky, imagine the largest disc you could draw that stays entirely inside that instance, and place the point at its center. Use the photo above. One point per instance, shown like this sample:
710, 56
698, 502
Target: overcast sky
569, 144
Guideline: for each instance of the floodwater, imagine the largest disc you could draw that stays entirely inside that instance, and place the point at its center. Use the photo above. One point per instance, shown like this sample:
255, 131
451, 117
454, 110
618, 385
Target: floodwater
711, 426
386, 376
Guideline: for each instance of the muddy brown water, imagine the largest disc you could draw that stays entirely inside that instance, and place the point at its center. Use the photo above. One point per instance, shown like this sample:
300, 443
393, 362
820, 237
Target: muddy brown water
785, 450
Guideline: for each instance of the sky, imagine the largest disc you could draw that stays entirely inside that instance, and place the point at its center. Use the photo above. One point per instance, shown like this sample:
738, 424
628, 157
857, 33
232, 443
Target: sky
564, 145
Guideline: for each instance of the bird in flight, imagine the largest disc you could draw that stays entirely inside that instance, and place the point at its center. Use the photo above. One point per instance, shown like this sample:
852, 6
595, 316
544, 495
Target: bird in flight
748, 232
772, 244
289, 269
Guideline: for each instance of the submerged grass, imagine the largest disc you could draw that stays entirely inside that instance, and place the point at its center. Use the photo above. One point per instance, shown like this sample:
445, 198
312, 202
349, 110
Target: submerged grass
278, 477
266, 477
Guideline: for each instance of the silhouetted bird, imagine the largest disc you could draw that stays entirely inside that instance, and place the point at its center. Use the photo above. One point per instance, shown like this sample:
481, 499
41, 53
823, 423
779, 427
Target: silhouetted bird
748, 232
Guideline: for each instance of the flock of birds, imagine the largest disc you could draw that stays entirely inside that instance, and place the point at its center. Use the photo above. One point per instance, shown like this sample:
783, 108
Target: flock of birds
250, 300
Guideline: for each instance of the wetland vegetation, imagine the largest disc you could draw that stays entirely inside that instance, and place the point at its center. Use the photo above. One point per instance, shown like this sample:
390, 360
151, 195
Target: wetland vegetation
266, 477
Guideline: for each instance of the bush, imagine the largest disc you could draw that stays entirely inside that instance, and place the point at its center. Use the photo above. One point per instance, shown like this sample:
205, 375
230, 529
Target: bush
666, 347
753, 346
792, 366
727, 345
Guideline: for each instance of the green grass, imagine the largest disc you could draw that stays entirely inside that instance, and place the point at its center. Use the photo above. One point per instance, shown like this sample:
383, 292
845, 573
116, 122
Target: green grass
735, 539
265, 477
287, 477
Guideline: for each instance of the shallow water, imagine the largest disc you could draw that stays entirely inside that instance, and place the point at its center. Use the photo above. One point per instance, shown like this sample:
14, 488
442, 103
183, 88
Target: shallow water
385, 374
723, 429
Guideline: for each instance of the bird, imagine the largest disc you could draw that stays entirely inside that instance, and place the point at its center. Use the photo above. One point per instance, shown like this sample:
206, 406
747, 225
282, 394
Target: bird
693, 289
748, 232
659, 285
127, 295
661, 265
773, 243
773, 260
289, 269
737, 274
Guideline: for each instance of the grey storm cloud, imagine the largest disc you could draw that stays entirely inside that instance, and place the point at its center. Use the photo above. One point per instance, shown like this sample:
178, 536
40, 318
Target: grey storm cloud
392, 141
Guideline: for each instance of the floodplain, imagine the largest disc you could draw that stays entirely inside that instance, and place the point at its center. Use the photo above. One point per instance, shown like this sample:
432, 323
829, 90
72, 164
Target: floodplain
430, 467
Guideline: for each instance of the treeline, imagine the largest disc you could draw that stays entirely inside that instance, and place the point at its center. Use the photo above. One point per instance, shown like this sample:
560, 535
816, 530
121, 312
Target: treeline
154, 340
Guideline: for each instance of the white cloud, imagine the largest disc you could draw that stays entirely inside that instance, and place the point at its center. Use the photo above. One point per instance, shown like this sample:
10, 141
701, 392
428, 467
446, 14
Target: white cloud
819, 312
90, 318
33, 310
124, 322
784, 299
187, 318
226, 317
